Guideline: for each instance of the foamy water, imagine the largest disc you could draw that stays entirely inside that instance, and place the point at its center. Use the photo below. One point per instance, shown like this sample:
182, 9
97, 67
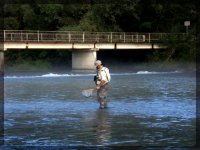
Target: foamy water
80, 75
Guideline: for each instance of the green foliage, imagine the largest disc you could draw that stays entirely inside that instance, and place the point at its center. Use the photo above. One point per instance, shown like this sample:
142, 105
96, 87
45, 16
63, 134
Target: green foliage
32, 65
188, 49
12, 17
32, 59
127, 16
11, 23
70, 28
146, 26
181, 48
90, 22
28, 17
50, 15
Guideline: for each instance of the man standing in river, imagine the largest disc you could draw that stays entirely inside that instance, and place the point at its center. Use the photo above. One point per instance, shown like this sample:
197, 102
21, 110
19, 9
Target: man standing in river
101, 79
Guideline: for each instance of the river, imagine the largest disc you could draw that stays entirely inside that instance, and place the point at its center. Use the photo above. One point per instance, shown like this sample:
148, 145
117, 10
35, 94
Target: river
145, 108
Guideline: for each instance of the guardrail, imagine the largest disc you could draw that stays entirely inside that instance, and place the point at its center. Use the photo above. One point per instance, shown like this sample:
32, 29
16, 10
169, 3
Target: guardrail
82, 37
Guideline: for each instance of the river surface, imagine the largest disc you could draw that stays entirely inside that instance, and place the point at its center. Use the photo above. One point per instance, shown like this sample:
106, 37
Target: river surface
144, 109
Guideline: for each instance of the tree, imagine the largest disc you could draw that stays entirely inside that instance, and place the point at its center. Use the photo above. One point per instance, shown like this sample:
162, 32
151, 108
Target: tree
49, 16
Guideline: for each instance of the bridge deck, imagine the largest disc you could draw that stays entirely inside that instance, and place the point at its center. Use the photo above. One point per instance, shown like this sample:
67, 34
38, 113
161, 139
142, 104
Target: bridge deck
77, 39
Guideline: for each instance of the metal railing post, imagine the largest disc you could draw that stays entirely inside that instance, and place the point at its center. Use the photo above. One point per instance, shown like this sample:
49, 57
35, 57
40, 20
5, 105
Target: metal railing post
21, 36
111, 37
149, 37
124, 38
137, 38
57, 39
38, 36
69, 35
83, 37
4, 35
26, 36
143, 38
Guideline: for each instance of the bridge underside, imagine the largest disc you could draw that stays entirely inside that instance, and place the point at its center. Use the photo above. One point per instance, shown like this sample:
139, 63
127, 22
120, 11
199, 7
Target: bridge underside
83, 54
58, 45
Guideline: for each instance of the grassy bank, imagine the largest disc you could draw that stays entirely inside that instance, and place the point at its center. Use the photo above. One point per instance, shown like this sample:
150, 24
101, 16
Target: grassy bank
44, 65
38, 65
35, 67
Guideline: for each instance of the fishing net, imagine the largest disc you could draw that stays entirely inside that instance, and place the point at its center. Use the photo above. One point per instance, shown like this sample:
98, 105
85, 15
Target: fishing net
87, 92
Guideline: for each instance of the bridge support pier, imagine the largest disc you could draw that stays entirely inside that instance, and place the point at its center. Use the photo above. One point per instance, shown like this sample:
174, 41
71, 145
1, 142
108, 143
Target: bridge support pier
84, 59
1, 63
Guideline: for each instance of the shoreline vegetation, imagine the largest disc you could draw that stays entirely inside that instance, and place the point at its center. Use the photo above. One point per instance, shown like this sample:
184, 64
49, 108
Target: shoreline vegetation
43, 66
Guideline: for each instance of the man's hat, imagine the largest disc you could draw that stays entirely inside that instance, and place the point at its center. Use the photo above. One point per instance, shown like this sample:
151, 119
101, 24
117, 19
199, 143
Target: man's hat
98, 62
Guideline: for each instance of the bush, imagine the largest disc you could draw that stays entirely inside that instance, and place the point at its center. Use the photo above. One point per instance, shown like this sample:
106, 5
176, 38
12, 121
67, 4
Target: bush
32, 65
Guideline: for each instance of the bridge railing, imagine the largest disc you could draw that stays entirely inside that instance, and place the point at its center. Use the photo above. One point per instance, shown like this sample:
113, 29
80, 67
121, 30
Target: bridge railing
81, 37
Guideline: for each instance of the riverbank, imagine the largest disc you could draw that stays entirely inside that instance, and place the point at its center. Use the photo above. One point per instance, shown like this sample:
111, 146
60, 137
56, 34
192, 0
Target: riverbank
158, 66
45, 67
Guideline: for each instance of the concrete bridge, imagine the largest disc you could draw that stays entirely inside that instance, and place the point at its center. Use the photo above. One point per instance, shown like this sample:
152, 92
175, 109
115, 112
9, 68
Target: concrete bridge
84, 45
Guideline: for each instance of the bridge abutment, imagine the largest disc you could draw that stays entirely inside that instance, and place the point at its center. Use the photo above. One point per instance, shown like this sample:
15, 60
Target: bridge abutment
84, 59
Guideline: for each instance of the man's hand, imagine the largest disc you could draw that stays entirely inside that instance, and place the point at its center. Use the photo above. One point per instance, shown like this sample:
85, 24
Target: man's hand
102, 82
98, 87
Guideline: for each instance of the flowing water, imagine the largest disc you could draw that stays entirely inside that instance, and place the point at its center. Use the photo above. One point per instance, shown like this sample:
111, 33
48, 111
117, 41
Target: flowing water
144, 109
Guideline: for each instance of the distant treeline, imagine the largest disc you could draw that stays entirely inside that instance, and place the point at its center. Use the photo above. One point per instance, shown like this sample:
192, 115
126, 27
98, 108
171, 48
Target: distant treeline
116, 16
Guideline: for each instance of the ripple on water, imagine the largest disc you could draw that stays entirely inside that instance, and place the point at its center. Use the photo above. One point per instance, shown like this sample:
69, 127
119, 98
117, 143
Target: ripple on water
157, 108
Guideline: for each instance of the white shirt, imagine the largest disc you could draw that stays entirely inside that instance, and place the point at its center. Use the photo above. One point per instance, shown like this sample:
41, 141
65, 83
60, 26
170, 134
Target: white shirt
102, 75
